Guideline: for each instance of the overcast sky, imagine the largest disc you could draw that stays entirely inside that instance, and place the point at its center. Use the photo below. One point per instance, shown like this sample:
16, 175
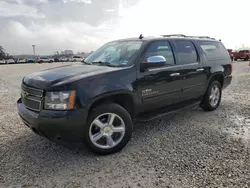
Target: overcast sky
84, 25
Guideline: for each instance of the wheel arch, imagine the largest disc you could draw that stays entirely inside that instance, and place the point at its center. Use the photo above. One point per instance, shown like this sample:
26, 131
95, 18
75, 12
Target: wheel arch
219, 76
125, 98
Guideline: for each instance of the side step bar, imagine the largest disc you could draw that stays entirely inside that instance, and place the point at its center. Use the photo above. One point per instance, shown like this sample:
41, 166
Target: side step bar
165, 111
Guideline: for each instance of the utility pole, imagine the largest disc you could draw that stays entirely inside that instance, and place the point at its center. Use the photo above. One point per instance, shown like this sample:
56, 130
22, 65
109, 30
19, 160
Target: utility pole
34, 50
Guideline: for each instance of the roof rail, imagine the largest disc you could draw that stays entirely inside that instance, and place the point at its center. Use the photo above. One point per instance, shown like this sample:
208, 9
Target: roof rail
174, 35
201, 37
181, 35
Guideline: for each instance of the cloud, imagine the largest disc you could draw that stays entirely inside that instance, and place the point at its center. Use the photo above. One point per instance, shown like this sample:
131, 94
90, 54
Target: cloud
55, 25
14, 10
78, 1
84, 25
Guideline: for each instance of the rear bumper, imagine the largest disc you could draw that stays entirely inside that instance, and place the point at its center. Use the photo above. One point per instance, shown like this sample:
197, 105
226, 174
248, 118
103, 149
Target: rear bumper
227, 81
67, 125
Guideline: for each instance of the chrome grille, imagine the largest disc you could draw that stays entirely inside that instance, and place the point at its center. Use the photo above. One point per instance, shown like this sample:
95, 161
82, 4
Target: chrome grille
32, 97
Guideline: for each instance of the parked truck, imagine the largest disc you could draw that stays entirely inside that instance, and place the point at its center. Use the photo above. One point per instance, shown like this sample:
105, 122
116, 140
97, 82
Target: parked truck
242, 54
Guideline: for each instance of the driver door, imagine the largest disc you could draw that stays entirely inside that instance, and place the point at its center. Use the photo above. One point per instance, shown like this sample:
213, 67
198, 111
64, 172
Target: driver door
160, 86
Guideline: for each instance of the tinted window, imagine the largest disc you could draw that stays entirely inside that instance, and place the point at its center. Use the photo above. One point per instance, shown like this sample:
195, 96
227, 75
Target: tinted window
186, 52
161, 48
214, 50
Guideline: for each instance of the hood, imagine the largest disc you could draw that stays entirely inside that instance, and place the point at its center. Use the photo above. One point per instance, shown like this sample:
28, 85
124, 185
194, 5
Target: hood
62, 75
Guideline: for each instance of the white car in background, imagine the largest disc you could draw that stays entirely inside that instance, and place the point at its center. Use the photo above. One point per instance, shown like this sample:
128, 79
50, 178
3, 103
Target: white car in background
2, 61
77, 58
8, 61
64, 59
45, 60
21, 61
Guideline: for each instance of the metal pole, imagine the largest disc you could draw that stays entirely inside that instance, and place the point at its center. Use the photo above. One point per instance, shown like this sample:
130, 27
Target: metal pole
34, 51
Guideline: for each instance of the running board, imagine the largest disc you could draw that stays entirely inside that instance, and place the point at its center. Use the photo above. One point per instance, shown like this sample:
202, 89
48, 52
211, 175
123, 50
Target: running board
148, 116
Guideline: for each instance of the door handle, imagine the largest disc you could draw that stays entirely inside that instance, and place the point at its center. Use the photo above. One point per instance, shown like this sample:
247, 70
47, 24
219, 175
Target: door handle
199, 70
175, 74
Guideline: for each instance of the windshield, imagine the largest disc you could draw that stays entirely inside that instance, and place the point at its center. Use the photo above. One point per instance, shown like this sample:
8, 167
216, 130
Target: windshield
243, 51
118, 53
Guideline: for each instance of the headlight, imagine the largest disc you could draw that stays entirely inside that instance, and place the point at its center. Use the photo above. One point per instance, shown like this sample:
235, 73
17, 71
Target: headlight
63, 100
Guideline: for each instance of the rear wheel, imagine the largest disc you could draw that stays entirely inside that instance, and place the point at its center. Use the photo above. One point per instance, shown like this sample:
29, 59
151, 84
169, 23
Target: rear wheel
246, 58
108, 129
212, 98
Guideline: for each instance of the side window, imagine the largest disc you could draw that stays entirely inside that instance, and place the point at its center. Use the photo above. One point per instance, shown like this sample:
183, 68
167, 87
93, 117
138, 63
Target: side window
161, 48
214, 50
186, 52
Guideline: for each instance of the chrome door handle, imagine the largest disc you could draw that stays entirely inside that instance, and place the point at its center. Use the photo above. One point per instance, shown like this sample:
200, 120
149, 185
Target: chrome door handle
199, 70
175, 74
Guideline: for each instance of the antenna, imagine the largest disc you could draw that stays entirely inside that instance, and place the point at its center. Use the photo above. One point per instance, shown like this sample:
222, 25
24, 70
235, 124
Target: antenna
141, 37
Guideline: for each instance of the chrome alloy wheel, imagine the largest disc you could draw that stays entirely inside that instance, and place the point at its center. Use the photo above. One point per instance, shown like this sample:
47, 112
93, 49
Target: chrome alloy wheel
214, 96
107, 130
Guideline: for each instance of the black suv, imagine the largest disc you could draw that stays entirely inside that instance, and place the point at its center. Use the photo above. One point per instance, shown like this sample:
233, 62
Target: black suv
123, 81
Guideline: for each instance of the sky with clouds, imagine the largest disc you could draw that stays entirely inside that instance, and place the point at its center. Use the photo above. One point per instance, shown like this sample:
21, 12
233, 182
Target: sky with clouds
84, 25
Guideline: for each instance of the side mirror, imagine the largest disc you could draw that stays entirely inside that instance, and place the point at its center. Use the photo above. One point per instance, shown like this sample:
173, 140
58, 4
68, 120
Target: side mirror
153, 62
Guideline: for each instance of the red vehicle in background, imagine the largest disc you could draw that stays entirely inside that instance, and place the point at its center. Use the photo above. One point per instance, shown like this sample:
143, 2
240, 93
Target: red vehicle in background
242, 54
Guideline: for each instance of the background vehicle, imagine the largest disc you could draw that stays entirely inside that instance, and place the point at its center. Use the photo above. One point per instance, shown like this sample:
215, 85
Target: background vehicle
30, 60
10, 61
64, 59
2, 61
242, 54
21, 61
77, 58
56, 59
45, 60
124, 81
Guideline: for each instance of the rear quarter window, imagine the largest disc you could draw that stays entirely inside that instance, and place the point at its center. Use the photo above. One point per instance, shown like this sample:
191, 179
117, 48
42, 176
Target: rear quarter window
214, 50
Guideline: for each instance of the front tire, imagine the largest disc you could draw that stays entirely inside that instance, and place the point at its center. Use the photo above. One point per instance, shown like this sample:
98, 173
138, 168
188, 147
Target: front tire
212, 98
108, 129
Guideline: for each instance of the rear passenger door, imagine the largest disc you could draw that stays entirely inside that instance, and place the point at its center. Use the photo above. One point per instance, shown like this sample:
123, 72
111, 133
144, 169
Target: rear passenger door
192, 71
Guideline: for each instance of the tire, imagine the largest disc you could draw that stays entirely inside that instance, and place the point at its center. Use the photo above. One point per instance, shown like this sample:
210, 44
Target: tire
120, 140
246, 58
209, 104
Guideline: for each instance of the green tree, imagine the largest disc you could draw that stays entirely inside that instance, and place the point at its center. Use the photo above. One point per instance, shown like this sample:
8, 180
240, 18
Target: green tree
2, 53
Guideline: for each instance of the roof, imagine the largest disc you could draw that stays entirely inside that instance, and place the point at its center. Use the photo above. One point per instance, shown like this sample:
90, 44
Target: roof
171, 36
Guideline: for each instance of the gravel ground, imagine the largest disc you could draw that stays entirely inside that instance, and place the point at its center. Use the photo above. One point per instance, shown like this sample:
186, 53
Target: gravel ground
191, 148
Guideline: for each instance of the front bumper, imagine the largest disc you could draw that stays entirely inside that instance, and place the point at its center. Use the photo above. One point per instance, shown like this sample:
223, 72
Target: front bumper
66, 125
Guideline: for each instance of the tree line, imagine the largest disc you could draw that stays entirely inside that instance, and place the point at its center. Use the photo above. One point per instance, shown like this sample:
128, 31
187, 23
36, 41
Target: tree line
3, 54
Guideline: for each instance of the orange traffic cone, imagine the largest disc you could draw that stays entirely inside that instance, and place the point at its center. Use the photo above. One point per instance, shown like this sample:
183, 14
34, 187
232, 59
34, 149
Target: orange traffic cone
249, 63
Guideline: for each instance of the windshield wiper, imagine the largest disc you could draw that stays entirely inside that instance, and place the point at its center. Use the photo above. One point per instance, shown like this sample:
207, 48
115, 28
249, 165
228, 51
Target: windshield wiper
103, 63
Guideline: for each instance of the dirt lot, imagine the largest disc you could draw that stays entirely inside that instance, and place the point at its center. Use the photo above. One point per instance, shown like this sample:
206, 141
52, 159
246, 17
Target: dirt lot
192, 148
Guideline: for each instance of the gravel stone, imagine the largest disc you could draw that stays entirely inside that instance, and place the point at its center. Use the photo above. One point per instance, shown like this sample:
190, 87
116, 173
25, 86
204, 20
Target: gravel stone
191, 148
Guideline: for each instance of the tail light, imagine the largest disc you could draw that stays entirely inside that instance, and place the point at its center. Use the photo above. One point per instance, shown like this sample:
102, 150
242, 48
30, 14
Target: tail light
231, 68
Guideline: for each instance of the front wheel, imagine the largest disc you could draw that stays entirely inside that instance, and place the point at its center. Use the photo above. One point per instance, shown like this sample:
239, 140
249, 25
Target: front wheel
212, 98
108, 129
